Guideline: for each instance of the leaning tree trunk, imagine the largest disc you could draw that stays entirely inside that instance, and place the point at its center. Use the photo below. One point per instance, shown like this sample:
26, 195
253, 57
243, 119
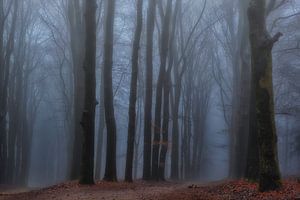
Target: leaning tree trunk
261, 49
88, 116
133, 92
111, 168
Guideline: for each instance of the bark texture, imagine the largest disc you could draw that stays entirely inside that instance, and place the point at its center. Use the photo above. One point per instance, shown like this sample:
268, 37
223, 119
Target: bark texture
110, 169
88, 115
261, 49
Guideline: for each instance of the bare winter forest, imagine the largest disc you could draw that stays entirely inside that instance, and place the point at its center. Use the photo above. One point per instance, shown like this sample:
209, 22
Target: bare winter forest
149, 99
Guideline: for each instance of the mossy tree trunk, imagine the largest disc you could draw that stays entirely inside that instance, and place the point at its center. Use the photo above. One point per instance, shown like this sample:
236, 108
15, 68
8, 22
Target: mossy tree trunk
261, 49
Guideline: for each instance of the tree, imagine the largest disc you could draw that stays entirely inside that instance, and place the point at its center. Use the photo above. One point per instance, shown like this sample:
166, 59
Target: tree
164, 47
88, 115
241, 96
110, 170
180, 67
133, 91
149, 91
76, 31
11, 135
261, 56
6, 48
167, 91
101, 122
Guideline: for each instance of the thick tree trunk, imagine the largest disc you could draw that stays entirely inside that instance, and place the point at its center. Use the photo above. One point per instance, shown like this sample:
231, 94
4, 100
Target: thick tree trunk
88, 115
133, 92
240, 123
76, 28
252, 166
149, 91
110, 169
261, 49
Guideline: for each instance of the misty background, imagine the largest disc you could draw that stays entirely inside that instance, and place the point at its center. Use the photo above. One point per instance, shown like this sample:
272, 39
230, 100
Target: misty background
44, 87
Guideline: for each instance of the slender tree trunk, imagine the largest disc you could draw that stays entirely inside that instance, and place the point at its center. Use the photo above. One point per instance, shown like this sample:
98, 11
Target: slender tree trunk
167, 92
261, 49
175, 132
138, 139
133, 92
187, 130
110, 170
149, 91
88, 115
2, 98
165, 37
165, 128
100, 133
9, 146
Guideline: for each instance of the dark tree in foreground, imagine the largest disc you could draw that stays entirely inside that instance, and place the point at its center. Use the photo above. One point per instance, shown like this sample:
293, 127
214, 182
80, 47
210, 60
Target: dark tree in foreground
110, 169
133, 91
76, 29
148, 90
88, 116
261, 50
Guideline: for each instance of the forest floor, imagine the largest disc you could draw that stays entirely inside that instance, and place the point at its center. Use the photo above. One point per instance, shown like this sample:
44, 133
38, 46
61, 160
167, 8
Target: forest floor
229, 190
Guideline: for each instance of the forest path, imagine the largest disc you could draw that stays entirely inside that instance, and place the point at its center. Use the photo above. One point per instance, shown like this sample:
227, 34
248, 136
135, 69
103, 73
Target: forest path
233, 190
101, 191
13, 190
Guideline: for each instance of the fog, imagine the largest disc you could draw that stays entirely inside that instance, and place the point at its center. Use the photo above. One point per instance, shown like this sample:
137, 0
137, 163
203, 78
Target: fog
202, 113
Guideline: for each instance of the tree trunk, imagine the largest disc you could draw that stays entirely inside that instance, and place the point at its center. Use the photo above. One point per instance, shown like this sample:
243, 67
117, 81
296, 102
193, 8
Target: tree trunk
252, 165
110, 169
261, 49
149, 91
2, 100
241, 96
88, 115
100, 133
165, 128
133, 92
175, 132
76, 29
165, 37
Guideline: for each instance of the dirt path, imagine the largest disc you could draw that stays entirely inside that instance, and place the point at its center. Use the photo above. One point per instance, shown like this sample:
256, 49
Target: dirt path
101, 191
233, 190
